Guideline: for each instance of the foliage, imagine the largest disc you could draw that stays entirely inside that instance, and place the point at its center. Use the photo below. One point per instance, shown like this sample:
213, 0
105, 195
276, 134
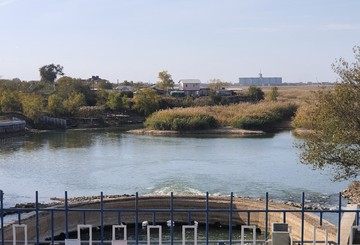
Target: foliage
274, 94
91, 111
255, 93
334, 117
180, 120
73, 103
101, 97
49, 73
217, 84
166, 81
104, 84
146, 101
55, 106
117, 101
246, 116
33, 106
10, 101
67, 85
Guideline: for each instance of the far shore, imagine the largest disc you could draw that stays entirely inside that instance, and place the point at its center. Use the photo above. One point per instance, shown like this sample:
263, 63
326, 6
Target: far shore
217, 131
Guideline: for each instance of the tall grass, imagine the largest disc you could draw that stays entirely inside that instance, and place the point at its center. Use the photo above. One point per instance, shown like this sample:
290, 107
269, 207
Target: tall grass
246, 116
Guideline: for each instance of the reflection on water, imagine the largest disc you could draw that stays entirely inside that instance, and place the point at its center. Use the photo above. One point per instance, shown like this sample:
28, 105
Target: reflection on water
86, 162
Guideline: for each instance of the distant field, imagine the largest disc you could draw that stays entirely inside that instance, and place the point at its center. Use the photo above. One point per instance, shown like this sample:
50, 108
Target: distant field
294, 93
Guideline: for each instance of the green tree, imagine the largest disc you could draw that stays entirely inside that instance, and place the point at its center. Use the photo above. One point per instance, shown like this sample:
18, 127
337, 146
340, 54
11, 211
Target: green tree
166, 81
274, 94
33, 106
74, 102
49, 73
101, 97
65, 86
10, 101
255, 93
55, 105
114, 101
334, 117
146, 101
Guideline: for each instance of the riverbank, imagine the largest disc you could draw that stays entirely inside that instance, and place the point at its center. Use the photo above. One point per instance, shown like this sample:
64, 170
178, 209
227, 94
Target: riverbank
217, 131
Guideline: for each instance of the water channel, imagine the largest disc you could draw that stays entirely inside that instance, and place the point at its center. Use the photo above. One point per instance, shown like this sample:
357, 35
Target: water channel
86, 162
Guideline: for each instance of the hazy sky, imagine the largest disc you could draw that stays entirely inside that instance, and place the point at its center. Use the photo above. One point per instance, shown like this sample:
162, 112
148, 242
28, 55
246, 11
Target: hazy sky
204, 39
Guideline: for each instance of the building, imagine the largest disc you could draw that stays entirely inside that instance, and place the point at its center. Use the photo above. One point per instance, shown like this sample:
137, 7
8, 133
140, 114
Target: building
190, 86
260, 81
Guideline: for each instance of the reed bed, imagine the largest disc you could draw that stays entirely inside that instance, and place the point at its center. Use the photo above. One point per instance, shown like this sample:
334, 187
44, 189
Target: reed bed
245, 116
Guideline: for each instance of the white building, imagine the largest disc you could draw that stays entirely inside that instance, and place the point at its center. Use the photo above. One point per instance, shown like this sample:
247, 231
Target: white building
260, 81
190, 86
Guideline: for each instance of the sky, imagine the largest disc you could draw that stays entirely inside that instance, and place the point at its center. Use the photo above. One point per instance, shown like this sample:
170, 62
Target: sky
191, 39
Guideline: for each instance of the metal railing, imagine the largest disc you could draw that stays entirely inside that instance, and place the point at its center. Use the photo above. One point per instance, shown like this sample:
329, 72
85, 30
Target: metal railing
136, 213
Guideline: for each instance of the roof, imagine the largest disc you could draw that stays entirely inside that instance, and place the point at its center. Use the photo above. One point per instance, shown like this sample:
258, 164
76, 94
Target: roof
189, 81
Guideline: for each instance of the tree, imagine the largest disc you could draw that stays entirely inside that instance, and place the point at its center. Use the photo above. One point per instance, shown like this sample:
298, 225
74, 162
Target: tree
10, 101
146, 101
74, 102
55, 105
334, 117
255, 93
49, 73
67, 85
114, 101
217, 84
166, 81
33, 106
274, 94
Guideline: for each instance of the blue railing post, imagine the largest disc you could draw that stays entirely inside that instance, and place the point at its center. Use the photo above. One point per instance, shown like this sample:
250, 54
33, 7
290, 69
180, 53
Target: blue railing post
302, 217
172, 218
2, 216
37, 217
66, 216
137, 218
102, 217
154, 218
339, 219
207, 218
19, 217
321, 218
266, 215
284, 217
230, 217
119, 217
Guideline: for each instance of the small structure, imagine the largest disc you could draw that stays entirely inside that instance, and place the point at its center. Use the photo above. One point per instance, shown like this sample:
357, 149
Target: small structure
190, 86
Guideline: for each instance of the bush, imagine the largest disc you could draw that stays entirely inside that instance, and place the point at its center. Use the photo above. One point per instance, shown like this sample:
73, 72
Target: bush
180, 120
246, 116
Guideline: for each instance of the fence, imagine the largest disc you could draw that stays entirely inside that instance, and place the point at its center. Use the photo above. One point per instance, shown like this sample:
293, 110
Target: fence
169, 212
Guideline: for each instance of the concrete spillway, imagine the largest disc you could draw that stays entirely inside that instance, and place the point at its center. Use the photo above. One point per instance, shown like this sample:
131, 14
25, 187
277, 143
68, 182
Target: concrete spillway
218, 207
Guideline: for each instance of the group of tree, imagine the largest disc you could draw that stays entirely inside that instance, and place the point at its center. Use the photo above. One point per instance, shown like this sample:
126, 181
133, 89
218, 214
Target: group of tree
334, 118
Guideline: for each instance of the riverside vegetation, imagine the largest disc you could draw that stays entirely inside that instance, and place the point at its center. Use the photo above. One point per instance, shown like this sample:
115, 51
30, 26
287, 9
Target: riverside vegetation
262, 116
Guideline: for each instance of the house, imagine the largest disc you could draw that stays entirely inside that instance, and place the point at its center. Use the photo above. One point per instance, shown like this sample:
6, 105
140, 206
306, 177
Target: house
190, 86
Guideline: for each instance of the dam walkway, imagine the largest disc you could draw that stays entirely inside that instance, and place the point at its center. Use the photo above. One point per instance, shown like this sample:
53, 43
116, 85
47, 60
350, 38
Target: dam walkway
175, 219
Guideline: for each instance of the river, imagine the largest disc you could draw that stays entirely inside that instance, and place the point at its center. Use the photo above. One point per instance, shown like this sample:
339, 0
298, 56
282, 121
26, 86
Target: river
86, 162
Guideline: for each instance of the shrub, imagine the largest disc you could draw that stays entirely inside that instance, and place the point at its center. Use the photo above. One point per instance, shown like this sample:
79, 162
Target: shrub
245, 116
180, 120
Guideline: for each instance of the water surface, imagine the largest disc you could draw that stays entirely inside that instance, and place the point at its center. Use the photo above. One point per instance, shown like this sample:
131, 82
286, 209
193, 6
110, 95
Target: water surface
88, 162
